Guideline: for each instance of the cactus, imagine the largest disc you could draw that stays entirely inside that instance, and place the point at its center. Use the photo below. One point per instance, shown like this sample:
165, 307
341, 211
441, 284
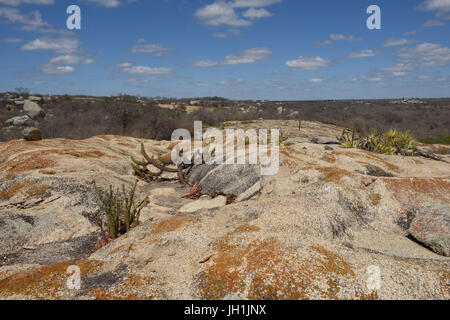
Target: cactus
122, 214
161, 163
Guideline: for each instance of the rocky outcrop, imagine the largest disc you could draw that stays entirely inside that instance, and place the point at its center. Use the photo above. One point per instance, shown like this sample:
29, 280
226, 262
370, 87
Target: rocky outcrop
33, 110
26, 124
313, 231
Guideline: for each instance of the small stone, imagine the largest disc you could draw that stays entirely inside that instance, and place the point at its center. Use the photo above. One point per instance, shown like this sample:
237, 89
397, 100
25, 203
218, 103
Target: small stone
32, 134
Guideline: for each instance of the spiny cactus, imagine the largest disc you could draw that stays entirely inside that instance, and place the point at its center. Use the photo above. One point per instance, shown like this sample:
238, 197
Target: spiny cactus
122, 214
161, 163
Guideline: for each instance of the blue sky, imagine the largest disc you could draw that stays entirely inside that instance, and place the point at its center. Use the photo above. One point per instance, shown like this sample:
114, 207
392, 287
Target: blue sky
241, 49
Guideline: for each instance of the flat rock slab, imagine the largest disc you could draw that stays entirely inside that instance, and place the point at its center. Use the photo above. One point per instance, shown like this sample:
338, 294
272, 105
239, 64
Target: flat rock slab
204, 203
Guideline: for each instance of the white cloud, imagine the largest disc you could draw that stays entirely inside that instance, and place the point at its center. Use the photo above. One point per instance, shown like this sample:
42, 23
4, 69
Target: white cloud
308, 63
220, 13
363, 54
249, 56
253, 3
127, 67
16, 3
54, 69
71, 59
140, 80
425, 55
392, 42
339, 37
156, 49
253, 13
253, 55
226, 13
29, 22
62, 45
433, 23
317, 80
107, 3
440, 6
205, 64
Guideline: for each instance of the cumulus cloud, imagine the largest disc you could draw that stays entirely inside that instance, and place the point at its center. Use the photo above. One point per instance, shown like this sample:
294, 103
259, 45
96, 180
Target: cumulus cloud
308, 63
16, 3
55, 69
425, 55
316, 80
107, 3
127, 67
228, 13
363, 54
29, 22
155, 49
433, 23
62, 45
253, 55
439, 6
205, 64
392, 42
253, 13
249, 56
339, 37
220, 13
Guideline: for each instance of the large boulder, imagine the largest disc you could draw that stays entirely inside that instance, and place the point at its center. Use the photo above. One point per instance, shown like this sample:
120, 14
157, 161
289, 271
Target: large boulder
32, 134
20, 121
33, 110
225, 178
431, 227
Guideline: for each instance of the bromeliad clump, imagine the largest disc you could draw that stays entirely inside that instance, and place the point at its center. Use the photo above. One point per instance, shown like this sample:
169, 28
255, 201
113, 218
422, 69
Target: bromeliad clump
391, 142
122, 213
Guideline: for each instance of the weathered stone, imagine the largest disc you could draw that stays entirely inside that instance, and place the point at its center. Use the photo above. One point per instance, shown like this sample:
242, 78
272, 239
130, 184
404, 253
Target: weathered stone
32, 134
33, 110
431, 226
227, 178
248, 194
20, 121
204, 203
34, 98
325, 140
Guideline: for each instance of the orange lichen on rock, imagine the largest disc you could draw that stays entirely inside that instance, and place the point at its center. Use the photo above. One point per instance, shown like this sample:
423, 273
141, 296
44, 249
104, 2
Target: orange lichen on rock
335, 175
266, 269
47, 282
172, 224
27, 162
366, 154
406, 189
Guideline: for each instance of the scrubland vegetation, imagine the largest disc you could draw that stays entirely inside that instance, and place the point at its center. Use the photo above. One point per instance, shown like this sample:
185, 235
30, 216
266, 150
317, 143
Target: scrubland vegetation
76, 117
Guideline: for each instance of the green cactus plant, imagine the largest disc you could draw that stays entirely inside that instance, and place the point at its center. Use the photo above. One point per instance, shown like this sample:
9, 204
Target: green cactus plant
122, 214
161, 163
